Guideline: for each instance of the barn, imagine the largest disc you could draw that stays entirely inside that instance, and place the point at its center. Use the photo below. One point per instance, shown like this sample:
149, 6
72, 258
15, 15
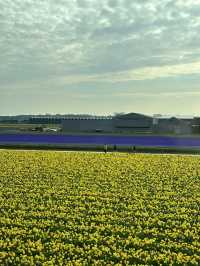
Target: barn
133, 123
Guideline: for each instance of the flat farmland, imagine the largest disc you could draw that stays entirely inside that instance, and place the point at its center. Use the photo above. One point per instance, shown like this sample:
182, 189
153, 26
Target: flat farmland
82, 208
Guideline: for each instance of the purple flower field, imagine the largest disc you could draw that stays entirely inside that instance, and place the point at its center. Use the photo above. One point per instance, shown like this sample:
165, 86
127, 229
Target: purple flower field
162, 141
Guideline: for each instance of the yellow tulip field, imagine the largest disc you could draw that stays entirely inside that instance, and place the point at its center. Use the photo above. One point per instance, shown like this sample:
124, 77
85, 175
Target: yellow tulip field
81, 208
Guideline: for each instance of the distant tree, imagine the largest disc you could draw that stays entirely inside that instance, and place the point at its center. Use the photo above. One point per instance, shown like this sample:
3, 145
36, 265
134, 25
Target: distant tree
119, 114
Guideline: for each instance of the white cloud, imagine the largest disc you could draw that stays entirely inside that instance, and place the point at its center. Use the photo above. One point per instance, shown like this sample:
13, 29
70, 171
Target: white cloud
171, 95
146, 73
188, 3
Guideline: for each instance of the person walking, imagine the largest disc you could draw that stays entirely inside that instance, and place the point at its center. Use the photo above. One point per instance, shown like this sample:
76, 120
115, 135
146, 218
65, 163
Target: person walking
133, 149
105, 148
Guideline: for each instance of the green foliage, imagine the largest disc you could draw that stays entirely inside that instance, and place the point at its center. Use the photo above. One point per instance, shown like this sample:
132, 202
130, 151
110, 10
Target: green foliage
99, 209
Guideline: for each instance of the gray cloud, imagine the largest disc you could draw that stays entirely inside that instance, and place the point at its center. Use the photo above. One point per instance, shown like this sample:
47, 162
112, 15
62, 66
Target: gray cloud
96, 35
87, 41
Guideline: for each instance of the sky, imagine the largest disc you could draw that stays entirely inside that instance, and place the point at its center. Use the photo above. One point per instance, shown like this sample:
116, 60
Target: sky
99, 56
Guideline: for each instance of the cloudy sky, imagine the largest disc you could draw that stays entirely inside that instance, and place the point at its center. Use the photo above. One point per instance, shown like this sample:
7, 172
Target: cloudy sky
100, 56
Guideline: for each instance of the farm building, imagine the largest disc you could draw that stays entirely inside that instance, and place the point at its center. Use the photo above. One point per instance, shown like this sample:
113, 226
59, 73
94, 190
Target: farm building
97, 124
196, 125
131, 122
172, 125
87, 125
